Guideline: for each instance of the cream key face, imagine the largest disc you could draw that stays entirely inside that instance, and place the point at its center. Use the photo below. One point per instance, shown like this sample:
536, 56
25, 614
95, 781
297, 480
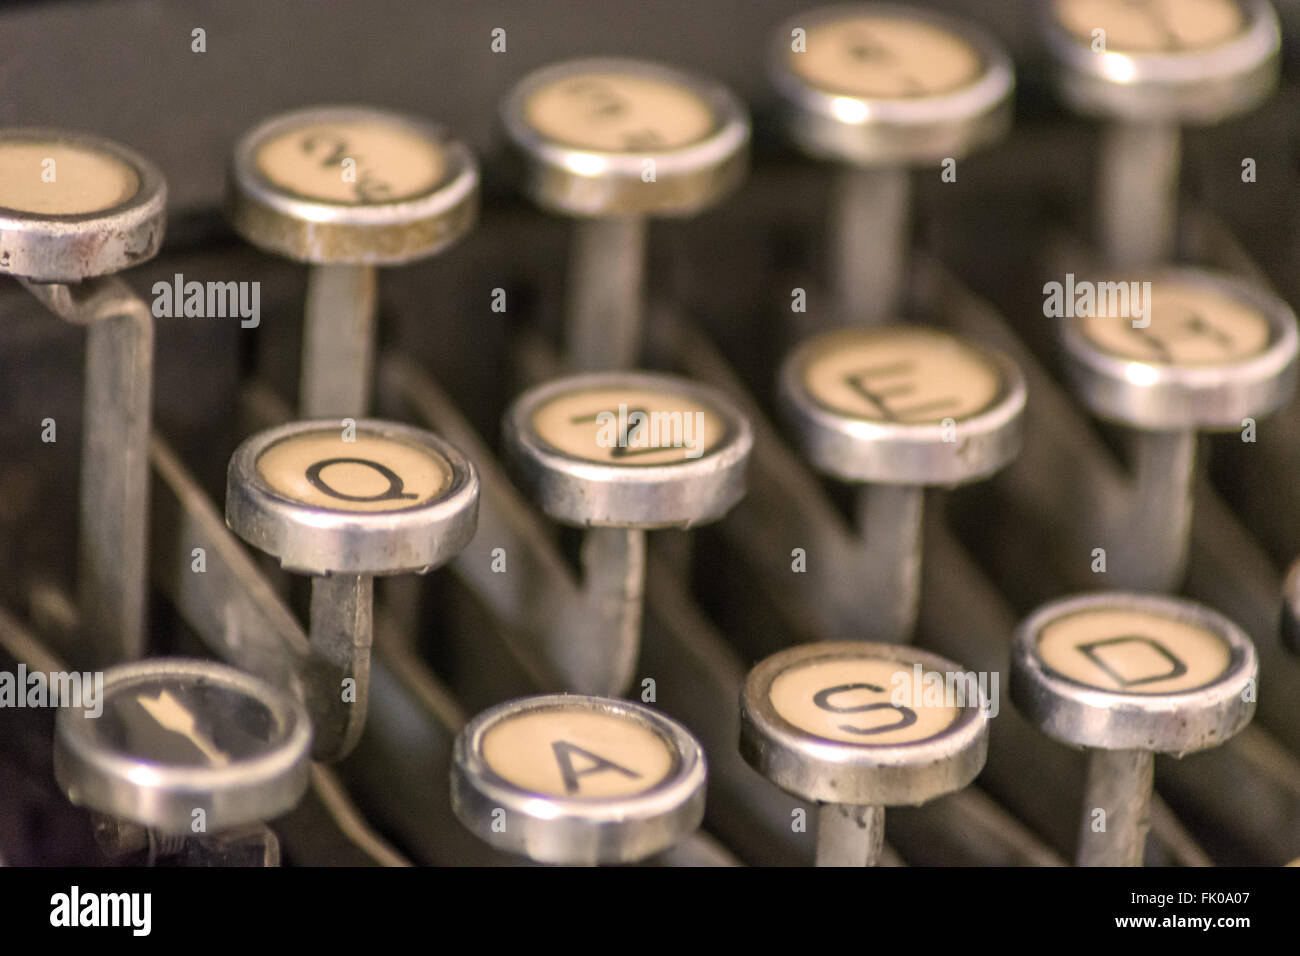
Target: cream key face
1189, 325
62, 179
578, 752
371, 474
901, 375
619, 113
634, 427
885, 57
354, 161
865, 701
1132, 651
1152, 26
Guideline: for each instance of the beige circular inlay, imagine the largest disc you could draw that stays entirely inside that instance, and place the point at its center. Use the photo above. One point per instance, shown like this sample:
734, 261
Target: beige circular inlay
370, 474
1163, 26
629, 426
903, 375
578, 753
862, 701
1190, 325
58, 179
356, 161
1133, 652
619, 113
885, 57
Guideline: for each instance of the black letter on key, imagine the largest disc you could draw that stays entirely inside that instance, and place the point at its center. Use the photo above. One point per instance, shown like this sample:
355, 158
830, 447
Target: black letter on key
564, 750
1176, 667
906, 715
395, 485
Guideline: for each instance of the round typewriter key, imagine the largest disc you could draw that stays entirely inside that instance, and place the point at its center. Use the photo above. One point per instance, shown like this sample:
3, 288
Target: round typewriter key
1203, 352
346, 505
1148, 68
573, 779
382, 499
859, 727
897, 408
1129, 676
620, 453
878, 88
352, 185
629, 450
75, 208
612, 141
348, 189
903, 404
174, 737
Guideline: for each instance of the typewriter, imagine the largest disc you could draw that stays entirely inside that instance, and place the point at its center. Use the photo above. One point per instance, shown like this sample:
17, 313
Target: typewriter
740, 433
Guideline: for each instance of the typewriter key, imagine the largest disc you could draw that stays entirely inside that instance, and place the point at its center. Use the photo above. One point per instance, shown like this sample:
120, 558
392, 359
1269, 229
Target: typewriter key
619, 453
74, 208
1128, 676
1205, 352
859, 727
348, 189
345, 506
1148, 68
612, 141
185, 747
629, 450
878, 88
897, 408
578, 780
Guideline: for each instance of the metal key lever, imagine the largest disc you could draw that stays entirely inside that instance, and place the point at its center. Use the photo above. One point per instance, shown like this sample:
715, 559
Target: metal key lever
974, 623
582, 639
344, 505
1208, 353
878, 568
589, 632
879, 89
412, 192
236, 612
1129, 675
612, 142
112, 556
893, 409
1148, 69
75, 210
